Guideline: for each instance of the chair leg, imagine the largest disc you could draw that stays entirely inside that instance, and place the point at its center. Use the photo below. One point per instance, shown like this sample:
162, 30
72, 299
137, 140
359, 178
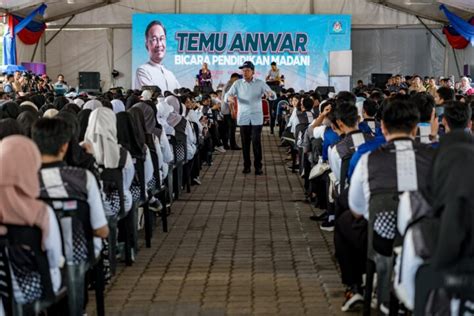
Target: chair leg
148, 224
164, 211
293, 158
369, 283
113, 246
176, 183
99, 287
187, 176
128, 226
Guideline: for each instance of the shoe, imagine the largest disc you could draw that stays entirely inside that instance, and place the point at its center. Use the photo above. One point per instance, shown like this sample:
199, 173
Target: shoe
327, 225
351, 301
226, 147
220, 149
197, 181
246, 170
156, 206
235, 148
258, 172
321, 217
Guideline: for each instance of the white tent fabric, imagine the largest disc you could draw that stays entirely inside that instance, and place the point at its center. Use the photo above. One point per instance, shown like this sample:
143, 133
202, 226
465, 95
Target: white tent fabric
383, 40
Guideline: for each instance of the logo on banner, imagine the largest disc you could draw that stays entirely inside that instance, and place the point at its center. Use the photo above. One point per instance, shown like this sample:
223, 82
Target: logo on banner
337, 28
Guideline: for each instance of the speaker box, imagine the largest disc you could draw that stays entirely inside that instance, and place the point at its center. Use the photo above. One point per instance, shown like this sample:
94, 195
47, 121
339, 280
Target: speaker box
89, 81
379, 80
469, 70
324, 90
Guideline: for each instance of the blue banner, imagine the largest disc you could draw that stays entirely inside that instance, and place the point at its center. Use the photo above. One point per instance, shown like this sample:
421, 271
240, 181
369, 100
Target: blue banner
173, 50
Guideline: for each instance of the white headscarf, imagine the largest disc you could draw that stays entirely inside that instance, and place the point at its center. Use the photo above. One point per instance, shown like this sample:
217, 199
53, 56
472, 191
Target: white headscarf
29, 103
92, 105
175, 116
118, 106
101, 132
50, 113
162, 114
79, 102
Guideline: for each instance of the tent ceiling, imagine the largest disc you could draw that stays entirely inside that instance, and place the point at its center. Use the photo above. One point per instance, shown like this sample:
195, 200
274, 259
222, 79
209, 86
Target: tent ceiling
429, 9
57, 9
120, 13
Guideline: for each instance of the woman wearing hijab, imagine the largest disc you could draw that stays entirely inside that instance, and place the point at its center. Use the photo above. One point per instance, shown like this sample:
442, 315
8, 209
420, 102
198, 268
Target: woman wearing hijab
9, 126
128, 139
26, 120
131, 101
83, 120
71, 107
92, 105
20, 161
175, 119
162, 145
59, 102
50, 113
9, 109
101, 133
28, 106
117, 106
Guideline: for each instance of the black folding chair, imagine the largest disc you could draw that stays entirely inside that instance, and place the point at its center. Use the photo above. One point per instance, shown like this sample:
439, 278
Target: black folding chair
21, 248
74, 218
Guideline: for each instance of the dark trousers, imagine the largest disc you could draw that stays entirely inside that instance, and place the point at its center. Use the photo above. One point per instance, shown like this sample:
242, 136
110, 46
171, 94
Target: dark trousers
350, 242
252, 134
230, 126
273, 108
281, 124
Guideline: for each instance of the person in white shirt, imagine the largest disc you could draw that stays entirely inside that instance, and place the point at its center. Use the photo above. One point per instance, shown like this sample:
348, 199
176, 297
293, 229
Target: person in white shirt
153, 73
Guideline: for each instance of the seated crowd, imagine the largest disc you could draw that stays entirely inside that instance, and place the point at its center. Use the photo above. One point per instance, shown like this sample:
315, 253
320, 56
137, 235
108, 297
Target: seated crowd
89, 172
389, 172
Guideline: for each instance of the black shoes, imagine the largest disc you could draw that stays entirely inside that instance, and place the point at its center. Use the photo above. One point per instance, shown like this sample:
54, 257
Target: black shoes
235, 148
258, 172
246, 170
321, 217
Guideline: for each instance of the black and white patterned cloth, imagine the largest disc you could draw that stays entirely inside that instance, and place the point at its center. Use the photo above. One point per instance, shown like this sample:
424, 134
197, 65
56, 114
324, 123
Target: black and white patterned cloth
152, 184
79, 244
136, 193
113, 200
180, 152
385, 224
28, 281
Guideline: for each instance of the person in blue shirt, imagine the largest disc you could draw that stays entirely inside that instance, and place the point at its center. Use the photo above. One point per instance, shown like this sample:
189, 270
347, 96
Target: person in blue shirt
370, 125
367, 147
7, 86
249, 91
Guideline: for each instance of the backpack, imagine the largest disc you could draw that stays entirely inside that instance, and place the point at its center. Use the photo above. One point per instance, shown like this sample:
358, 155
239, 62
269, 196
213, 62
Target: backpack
418, 226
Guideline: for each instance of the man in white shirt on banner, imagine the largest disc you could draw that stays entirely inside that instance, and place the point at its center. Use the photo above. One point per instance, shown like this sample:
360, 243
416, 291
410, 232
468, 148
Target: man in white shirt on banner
153, 73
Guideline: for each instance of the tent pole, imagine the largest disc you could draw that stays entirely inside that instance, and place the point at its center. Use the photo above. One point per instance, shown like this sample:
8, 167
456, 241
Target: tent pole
457, 63
59, 31
446, 61
311, 7
177, 6
429, 30
36, 47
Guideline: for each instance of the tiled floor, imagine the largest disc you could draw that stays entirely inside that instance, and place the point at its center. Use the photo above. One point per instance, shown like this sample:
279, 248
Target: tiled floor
238, 244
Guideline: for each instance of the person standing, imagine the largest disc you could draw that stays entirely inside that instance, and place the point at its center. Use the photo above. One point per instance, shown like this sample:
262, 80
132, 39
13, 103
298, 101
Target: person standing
230, 122
274, 82
248, 92
204, 79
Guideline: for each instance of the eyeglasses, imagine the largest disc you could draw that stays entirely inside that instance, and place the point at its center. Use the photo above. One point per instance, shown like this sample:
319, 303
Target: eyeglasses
155, 40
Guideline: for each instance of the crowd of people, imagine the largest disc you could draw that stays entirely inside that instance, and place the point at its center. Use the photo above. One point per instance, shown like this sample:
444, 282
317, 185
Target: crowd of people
388, 172
72, 146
